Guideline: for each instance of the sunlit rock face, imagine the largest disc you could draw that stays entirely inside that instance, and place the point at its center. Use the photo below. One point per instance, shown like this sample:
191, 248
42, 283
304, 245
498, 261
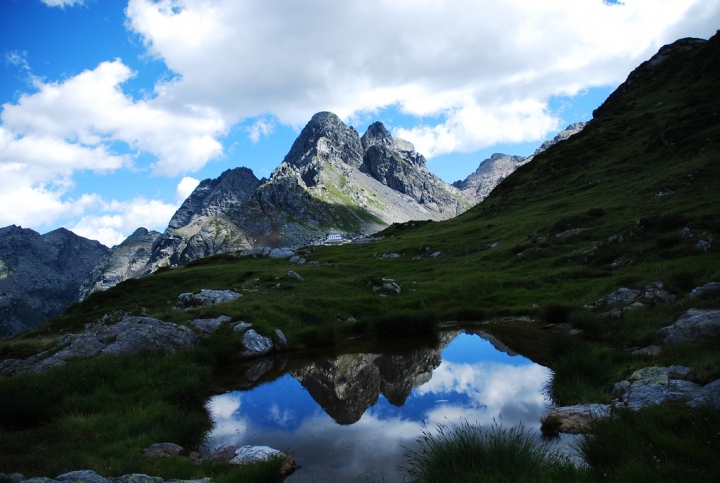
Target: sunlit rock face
127, 260
345, 387
331, 180
40, 275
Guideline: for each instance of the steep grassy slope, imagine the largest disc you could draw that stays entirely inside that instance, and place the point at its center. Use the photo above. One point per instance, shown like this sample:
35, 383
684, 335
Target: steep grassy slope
599, 211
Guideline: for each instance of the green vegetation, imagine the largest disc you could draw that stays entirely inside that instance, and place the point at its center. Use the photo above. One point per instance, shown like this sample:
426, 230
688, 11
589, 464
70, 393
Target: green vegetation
465, 453
501, 258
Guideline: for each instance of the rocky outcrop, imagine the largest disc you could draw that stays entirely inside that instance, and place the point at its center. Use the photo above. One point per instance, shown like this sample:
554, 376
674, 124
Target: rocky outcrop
129, 336
693, 325
494, 170
40, 275
576, 419
330, 180
205, 297
124, 261
489, 174
349, 384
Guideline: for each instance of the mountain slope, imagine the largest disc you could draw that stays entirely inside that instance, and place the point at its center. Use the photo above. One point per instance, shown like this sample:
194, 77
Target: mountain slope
331, 180
40, 275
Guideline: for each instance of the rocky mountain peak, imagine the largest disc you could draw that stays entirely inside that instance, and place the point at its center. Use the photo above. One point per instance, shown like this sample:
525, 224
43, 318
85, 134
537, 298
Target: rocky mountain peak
328, 137
376, 134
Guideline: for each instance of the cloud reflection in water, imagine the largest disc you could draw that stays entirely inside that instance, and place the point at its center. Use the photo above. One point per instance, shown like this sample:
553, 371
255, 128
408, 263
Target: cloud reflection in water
474, 382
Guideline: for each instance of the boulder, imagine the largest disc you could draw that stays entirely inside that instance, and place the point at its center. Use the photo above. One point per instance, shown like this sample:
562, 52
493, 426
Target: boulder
708, 287
579, 418
281, 340
297, 259
691, 326
654, 385
136, 334
281, 252
248, 455
708, 396
206, 297
623, 296
241, 327
223, 454
256, 345
139, 478
163, 450
208, 326
84, 476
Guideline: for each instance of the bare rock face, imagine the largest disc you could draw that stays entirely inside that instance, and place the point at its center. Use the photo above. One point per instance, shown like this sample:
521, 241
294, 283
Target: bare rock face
331, 179
693, 325
40, 275
489, 174
124, 261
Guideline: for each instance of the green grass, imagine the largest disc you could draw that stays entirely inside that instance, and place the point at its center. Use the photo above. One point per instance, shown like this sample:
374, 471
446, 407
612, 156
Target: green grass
467, 453
603, 179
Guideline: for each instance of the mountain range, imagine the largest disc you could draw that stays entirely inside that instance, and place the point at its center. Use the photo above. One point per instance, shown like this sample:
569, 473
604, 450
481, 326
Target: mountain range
331, 181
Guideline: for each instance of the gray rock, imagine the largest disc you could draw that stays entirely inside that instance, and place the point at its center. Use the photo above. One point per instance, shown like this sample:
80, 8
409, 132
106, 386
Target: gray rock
84, 476
435, 254
654, 385
12, 477
623, 296
280, 339
297, 259
709, 396
295, 275
691, 326
208, 326
241, 327
139, 478
281, 252
256, 345
124, 261
163, 450
247, 455
702, 245
206, 297
708, 287
223, 454
136, 334
651, 350
40, 479
579, 418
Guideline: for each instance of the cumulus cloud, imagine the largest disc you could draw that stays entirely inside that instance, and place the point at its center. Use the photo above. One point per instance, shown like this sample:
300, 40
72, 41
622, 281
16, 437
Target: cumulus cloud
185, 188
120, 218
485, 68
260, 128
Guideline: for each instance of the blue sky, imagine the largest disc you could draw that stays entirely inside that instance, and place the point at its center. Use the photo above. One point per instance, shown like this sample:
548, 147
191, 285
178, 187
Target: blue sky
113, 110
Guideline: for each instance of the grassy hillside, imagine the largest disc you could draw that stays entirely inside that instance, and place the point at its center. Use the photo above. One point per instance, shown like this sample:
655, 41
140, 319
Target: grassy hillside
599, 211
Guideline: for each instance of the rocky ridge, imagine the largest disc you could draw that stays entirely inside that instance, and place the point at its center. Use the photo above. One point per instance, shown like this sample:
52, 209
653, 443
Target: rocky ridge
491, 172
127, 260
331, 180
40, 275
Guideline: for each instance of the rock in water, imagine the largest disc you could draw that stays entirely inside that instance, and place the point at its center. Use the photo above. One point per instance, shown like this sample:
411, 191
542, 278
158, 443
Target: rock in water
247, 455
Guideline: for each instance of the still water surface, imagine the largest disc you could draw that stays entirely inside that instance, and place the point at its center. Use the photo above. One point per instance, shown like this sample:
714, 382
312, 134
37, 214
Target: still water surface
351, 417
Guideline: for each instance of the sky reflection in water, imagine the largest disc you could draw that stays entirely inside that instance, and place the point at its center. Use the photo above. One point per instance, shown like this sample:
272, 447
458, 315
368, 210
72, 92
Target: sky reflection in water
473, 382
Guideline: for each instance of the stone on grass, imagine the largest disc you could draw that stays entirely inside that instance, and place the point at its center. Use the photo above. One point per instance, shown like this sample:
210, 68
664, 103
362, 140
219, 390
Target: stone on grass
651, 350
295, 275
83, 476
208, 326
691, 326
708, 287
137, 334
163, 450
623, 296
12, 477
242, 326
256, 345
206, 297
281, 252
579, 418
139, 478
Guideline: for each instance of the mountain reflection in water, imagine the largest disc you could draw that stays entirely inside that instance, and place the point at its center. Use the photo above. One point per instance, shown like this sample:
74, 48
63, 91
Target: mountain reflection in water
330, 417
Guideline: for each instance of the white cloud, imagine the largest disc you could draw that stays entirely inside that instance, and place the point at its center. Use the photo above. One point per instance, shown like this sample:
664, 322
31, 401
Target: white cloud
185, 188
260, 128
486, 68
120, 218
62, 3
